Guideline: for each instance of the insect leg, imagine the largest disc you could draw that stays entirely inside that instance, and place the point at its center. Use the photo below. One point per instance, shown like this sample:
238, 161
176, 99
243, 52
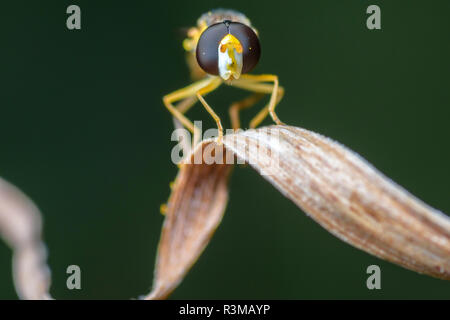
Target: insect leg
243, 104
210, 87
184, 105
189, 91
256, 83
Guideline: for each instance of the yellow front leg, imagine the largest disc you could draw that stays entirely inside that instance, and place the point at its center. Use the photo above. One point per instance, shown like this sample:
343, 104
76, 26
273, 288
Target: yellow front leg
190, 94
187, 92
215, 83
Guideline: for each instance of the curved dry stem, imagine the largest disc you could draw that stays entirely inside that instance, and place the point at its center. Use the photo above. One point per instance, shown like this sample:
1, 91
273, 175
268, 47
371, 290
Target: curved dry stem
21, 228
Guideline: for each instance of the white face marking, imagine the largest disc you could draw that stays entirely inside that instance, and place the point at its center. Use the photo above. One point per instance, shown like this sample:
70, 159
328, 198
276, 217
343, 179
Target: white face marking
230, 62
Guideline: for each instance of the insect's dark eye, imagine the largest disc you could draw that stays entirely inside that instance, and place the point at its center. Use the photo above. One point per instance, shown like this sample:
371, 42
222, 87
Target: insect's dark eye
250, 45
208, 44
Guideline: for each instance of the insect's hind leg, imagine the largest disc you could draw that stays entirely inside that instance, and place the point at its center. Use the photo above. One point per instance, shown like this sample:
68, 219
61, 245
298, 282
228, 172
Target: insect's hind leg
236, 107
256, 83
183, 106
261, 115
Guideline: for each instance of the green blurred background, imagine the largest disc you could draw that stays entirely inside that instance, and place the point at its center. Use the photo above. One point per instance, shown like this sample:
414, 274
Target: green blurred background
84, 133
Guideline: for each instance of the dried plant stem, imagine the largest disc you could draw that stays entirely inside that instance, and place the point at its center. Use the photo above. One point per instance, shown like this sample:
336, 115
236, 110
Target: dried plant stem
20, 227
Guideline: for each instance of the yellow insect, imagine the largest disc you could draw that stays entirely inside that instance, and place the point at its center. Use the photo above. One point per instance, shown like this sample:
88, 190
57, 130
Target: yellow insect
223, 48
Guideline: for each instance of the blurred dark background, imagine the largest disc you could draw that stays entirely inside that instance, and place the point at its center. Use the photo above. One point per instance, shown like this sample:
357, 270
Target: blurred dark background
84, 133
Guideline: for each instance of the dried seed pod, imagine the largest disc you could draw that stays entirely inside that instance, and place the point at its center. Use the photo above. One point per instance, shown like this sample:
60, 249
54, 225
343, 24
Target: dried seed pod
333, 185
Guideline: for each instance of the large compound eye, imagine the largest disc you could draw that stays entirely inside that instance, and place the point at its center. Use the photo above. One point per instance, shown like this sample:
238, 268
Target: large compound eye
250, 44
208, 44
207, 55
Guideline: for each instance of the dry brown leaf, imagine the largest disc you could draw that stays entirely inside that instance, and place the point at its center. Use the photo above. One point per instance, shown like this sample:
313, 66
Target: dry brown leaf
333, 185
